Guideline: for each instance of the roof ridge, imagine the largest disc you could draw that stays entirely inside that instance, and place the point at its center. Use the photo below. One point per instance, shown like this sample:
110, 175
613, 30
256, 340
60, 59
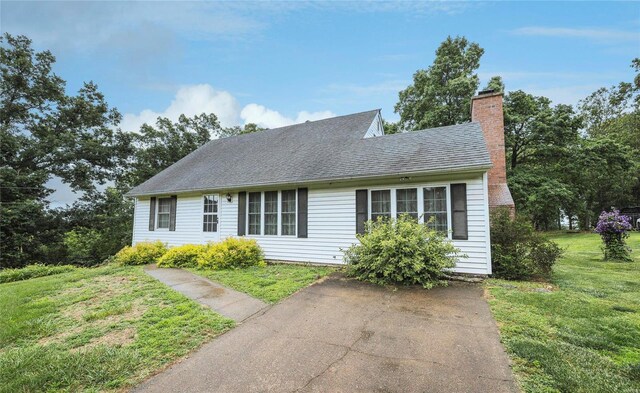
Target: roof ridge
325, 119
291, 125
440, 128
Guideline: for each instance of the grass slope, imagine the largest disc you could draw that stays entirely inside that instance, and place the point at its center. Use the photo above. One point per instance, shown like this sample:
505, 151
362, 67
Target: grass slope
271, 283
95, 329
584, 335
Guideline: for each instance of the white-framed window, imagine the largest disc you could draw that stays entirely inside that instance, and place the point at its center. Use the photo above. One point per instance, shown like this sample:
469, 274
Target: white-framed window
407, 202
422, 202
436, 207
254, 213
210, 213
163, 215
271, 212
288, 212
380, 204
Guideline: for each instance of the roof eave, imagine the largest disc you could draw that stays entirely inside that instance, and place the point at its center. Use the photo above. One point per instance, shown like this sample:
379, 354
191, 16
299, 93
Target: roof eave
434, 172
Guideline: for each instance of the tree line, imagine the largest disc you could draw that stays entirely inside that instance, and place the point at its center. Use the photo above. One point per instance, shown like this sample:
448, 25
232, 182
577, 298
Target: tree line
46, 133
562, 160
564, 163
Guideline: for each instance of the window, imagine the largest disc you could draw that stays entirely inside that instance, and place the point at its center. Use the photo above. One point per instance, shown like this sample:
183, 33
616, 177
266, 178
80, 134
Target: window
254, 213
435, 205
271, 213
288, 213
407, 202
459, 225
380, 204
210, 217
164, 213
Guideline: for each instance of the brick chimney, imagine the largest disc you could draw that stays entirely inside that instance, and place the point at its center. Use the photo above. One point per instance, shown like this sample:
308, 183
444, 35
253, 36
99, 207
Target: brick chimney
486, 109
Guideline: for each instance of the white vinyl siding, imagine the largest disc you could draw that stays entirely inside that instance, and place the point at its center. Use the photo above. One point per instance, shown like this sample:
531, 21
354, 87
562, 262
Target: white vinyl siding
331, 224
376, 128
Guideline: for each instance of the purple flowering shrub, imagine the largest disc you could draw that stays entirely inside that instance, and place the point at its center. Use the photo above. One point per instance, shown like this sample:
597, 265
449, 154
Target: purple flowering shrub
613, 228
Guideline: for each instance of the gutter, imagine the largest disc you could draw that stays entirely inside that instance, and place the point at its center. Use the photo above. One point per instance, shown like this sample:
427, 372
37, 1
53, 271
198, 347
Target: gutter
452, 170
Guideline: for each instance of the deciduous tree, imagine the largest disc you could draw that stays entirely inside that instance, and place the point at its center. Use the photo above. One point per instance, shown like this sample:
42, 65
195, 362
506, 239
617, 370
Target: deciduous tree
44, 133
441, 94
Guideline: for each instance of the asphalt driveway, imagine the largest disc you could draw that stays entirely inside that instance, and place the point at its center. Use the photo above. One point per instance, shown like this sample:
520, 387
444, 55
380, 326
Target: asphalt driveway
345, 336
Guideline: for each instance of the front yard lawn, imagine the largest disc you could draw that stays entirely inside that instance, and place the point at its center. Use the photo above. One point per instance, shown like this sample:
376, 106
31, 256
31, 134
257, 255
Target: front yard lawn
581, 331
271, 283
102, 328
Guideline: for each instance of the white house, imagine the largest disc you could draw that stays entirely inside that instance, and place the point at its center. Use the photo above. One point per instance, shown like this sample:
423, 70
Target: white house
304, 191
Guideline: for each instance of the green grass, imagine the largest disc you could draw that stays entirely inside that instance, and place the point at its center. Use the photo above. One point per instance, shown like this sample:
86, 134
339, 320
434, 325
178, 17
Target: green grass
95, 329
583, 335
271, 283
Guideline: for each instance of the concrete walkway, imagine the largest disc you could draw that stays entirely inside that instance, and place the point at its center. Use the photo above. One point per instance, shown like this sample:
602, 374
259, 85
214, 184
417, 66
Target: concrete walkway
225, 301
341, 335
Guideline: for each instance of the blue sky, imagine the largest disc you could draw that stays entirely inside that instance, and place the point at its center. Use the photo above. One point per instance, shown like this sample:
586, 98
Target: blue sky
278, 63
305, 60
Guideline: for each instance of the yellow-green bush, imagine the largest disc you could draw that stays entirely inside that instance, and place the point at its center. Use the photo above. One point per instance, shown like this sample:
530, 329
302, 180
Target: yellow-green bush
231, 253
181, 256
141, 254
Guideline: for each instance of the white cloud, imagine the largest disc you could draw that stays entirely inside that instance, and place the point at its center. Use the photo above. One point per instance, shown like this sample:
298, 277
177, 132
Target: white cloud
196, 99
594, 34
190, 101
265, 117
99, 26
96, 24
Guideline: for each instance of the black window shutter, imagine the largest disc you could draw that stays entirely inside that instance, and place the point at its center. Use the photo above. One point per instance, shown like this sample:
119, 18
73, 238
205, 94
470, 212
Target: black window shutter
362, 210
459, 213
152, 214
172, 212
242, 213
303, 197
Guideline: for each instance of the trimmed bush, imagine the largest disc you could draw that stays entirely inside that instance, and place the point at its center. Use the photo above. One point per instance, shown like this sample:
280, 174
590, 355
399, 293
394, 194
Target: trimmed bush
233, 252
401, 251
33, 271
519, 252
141, 254
181, 256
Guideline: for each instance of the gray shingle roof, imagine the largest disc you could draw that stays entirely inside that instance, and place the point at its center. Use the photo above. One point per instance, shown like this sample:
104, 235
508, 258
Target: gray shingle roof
324, 150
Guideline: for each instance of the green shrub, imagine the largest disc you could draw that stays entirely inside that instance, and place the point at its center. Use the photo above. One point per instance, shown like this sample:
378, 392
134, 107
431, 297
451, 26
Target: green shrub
33, 271
519, 252
233, 252
401, 251
181, 256
84, 247
614, 230
141, 254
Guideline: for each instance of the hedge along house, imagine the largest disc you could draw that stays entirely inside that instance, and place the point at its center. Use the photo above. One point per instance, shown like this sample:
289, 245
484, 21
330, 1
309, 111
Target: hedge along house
304, 191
